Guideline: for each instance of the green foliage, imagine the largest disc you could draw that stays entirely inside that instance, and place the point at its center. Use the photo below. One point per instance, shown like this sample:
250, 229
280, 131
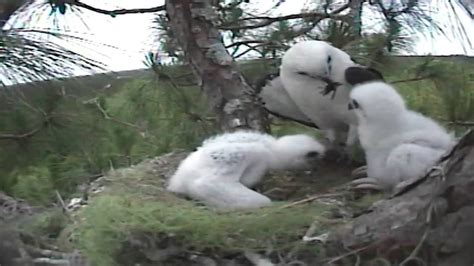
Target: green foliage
46, 224
23, 57
67, 172
446, 91
455, 85
148, 117
110, 220
338, 34
76, 142
135, 203
164, 117
33, 184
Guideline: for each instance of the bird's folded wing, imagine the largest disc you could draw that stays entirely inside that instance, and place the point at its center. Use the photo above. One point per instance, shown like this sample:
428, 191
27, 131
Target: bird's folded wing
226, 195
277, 101
412, 160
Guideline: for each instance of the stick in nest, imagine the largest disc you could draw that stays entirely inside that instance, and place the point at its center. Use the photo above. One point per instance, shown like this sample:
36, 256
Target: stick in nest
312, 198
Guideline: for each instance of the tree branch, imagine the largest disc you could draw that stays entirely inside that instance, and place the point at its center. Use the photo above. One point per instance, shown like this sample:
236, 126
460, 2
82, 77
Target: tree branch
116, 11
106, 115
21, 136
251, 48
270, 20
29, 134
461, 123
239, 43
410, 79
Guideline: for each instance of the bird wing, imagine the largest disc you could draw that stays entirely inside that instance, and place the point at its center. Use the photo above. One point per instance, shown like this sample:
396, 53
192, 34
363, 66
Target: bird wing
226, 195
411, 160
277, 101
240, 136
220, 176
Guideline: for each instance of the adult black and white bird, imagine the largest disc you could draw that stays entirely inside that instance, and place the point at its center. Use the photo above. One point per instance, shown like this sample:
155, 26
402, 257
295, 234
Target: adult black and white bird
399, 144
223, 170
313, 88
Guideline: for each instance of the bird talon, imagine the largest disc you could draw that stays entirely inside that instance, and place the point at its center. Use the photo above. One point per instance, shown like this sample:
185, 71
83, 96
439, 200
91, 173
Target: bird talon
366, 183
366, 187
359, 172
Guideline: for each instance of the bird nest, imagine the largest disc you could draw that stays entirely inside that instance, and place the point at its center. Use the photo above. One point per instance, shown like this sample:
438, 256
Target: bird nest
129, 217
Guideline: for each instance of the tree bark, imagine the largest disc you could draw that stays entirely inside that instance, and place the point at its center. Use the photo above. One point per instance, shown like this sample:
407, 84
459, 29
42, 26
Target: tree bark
7, 8
355, 14
229, 95
432, 218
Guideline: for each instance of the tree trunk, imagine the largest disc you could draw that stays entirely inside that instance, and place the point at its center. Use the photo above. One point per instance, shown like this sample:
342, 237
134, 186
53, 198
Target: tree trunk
229, 95
7, 8
431, 218
355, 13
468, 6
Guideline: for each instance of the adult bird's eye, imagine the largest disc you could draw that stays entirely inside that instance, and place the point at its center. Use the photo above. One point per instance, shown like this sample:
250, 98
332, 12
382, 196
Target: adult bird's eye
312, 154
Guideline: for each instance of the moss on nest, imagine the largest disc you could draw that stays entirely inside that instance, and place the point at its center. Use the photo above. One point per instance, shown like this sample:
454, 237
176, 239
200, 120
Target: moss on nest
110, 220
135, 203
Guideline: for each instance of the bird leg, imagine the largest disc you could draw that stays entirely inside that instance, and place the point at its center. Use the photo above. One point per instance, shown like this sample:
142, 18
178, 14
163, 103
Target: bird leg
352, 135
338, 152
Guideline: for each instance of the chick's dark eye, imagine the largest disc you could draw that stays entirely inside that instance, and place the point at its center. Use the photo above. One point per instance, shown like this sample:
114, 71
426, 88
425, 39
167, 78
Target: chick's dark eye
353, 104
312, 154
302, 73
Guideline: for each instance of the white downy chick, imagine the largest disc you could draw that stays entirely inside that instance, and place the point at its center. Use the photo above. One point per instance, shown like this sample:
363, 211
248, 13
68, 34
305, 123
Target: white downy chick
399, 144
310, 70
221, 172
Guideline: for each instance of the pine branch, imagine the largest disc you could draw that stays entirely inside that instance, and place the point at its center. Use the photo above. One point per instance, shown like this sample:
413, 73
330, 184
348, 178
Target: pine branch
17, 137
239, 43
410, 79
29, 134
234, 25
116, 11
462, 123
106, 115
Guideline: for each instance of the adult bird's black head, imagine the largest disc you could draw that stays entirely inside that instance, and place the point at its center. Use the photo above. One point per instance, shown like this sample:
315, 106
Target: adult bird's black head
357, 74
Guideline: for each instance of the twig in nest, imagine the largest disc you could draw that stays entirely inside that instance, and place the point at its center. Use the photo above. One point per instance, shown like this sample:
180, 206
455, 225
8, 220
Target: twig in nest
414, 253
345, 255
257, 259
308, 235
50, 261
61, 201
312, 198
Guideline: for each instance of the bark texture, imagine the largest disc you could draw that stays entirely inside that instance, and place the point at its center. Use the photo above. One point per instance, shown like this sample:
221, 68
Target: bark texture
432, 218
355, 14
8, 7
230, 96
